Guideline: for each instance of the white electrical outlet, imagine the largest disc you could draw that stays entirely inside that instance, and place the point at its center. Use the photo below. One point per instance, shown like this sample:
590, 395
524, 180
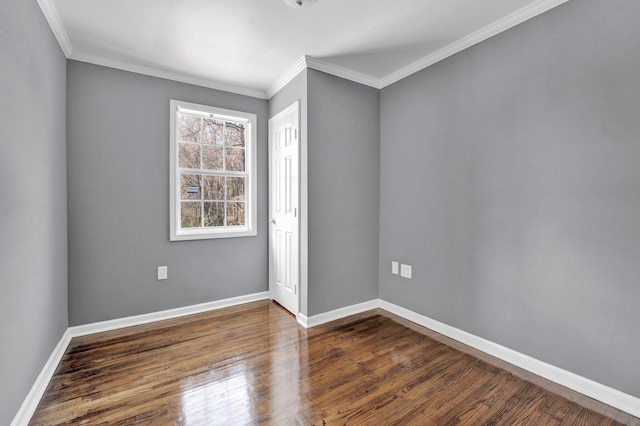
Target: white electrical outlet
394, 267
405, 271
162, 273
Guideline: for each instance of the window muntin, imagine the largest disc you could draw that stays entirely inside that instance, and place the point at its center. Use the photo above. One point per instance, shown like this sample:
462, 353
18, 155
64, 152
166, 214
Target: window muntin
213, 172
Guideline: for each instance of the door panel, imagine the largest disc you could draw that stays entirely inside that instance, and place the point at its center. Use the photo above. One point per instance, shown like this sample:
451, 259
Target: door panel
284, 234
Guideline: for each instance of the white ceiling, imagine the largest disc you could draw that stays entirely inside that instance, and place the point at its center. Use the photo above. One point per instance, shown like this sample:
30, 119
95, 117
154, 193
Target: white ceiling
255, 46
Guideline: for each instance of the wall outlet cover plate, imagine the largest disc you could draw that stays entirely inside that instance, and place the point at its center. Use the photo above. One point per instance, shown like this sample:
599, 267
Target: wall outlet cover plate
162, 273
406, 271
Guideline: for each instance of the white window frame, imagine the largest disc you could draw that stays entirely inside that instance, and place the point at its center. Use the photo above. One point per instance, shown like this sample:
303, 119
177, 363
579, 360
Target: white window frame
177, 233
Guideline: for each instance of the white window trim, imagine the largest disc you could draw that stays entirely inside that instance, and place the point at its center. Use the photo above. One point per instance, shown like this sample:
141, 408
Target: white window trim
251, 199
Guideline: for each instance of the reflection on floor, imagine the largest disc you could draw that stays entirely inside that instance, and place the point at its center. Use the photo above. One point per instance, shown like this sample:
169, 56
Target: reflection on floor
253, 364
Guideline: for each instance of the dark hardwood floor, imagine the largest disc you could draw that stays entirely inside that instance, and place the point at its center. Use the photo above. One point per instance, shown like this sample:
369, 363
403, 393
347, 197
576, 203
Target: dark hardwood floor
253, 364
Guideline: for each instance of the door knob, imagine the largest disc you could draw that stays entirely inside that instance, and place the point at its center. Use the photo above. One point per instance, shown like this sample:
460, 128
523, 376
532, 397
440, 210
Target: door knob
273, 221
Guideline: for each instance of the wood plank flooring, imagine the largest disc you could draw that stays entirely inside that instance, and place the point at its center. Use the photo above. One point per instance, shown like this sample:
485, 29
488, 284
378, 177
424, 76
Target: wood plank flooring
254, 365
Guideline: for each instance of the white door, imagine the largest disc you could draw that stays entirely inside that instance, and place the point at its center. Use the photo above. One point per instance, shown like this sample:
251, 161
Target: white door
284, 234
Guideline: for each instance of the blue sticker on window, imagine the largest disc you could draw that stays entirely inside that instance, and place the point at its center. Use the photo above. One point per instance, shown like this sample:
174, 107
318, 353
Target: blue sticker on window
192, 189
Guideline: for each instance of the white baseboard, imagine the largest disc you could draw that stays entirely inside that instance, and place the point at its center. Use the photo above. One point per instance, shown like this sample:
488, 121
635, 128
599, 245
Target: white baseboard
588, 387
37, 390
32, 400
314, 320
99, 327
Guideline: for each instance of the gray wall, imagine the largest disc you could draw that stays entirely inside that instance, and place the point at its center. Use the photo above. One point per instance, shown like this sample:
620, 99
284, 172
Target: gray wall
118, 174
510, 180
33, 200
296, 90
340, 128
506, 175
344, 191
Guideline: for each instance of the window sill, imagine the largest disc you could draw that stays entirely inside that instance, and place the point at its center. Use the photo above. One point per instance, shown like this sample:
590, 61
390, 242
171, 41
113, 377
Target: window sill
199, 234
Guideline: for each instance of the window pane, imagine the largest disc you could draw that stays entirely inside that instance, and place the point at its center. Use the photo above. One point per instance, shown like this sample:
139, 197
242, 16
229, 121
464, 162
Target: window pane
214, 188
235, 134
212, 157
190, 187
190, 214
235, 189
235, 159
188, 127
212, 131
235, 214
213, 214
189, 155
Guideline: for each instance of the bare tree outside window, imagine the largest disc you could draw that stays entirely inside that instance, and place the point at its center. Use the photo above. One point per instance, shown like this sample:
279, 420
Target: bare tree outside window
213, 172
207, 150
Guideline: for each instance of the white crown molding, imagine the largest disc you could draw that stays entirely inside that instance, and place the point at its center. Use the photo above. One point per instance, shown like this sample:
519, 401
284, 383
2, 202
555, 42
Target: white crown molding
290, 74
338, 71
495, 28
52, 17
304, 62
168, 75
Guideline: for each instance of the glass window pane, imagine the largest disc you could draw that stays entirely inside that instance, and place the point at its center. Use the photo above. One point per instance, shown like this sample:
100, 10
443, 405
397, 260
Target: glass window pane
235, 214
212, 131
189, 155
211, 149
213, 214
234, 134
214, 188
188, 127
190, 214
212, 157
190, 187
235, 159
235, 189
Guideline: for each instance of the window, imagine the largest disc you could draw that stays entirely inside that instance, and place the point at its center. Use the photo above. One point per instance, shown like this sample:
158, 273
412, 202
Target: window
213, 172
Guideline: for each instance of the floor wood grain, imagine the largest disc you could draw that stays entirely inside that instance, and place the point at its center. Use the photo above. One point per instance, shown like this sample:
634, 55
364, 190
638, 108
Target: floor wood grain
253, 364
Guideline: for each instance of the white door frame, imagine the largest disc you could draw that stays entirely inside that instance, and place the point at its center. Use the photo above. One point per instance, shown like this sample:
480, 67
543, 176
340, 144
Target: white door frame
301, 210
